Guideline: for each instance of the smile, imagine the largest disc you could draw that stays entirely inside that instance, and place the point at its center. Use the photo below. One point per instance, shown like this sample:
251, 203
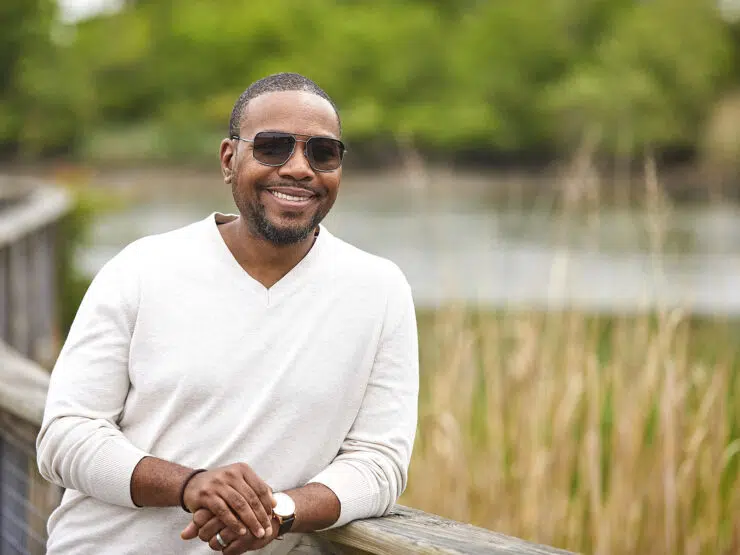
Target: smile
291, 198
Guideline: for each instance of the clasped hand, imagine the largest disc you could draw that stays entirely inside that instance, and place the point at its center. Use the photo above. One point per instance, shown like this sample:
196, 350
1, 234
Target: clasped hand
233, 501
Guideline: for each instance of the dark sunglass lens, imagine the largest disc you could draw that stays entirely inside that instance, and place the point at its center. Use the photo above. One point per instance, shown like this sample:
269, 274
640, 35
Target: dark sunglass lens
273, 149
325, 154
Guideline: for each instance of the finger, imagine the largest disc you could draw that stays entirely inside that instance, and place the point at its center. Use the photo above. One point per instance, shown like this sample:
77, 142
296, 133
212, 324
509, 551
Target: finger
245, 504
227, 536
223, 512
245, 509
201, 516
190, 531
260, 487
242, 545
209, 529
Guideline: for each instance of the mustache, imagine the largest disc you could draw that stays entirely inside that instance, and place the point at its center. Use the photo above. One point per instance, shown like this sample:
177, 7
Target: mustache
292, 185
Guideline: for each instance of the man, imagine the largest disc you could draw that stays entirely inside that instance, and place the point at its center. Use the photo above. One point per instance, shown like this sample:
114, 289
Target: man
253, 370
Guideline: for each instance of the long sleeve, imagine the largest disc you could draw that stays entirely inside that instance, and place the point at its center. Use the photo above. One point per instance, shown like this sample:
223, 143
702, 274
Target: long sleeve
371, 469
176, 352
80, 445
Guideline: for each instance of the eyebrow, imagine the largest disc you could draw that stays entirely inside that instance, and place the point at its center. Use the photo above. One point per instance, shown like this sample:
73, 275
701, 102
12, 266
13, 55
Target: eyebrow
328, 136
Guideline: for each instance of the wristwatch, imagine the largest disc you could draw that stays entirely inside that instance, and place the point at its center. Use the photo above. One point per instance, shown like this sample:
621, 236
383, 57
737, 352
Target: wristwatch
284, 512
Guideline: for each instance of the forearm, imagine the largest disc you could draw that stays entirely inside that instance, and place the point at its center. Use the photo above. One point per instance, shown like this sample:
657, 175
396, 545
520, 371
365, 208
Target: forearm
316, 507
158, 483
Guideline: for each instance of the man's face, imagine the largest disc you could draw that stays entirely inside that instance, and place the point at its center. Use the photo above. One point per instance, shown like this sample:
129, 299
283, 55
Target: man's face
258, 189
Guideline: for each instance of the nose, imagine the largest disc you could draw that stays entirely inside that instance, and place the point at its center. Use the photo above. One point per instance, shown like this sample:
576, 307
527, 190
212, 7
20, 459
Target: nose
297, 166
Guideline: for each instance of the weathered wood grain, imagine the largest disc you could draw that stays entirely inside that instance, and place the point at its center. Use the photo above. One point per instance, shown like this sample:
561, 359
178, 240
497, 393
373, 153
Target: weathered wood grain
20, 297
24, 386
410, 531
44, 312
19, 432
4, 294
27, 213
39, 207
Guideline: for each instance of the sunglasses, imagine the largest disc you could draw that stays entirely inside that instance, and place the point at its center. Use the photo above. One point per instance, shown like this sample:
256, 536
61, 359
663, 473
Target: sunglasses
273, 148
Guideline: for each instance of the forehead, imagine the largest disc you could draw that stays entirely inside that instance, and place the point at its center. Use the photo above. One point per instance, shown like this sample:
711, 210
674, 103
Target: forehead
298, 112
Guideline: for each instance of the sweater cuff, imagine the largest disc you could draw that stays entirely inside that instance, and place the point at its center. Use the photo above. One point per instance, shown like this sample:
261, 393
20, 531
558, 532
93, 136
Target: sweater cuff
112, 466
357, 496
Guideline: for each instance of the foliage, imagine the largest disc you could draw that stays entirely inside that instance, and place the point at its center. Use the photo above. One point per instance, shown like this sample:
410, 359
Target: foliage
500, 76
650, 77
44, 93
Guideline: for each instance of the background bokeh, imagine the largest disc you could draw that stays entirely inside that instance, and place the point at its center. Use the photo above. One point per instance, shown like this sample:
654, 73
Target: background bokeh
558, 179
154, 79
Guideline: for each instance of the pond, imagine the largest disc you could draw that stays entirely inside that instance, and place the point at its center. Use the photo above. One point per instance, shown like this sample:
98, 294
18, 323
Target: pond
457, 245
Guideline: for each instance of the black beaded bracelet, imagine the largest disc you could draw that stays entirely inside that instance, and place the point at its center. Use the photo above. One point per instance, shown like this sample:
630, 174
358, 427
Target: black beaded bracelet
185, 484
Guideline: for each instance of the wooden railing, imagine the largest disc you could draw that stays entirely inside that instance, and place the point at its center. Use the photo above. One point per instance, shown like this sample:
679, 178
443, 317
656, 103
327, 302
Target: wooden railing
28, 224
29, 221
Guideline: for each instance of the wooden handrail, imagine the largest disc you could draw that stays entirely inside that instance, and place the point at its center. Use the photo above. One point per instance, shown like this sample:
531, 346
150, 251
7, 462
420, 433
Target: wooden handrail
30, 208
30, 213
407, 530
24, 386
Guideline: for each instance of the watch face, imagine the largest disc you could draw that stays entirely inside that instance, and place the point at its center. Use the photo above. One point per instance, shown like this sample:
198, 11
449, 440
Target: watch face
285, 506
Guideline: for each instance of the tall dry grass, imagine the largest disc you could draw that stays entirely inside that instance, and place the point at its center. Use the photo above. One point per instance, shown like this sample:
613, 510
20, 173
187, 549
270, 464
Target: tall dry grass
607, 435
592, 434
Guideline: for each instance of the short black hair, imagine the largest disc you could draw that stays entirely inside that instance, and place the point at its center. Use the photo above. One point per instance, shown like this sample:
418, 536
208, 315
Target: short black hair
275, 83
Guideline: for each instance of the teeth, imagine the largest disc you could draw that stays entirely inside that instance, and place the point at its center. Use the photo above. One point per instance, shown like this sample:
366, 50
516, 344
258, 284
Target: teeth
287, 197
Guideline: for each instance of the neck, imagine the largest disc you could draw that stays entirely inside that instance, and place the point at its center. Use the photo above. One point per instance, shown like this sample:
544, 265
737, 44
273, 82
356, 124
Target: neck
263, 260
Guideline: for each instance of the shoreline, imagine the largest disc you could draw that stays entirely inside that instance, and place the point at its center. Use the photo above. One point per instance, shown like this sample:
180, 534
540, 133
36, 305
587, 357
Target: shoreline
682, 183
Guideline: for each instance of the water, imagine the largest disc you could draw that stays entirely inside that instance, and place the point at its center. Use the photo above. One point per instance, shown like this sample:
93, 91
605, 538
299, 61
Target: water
456, 246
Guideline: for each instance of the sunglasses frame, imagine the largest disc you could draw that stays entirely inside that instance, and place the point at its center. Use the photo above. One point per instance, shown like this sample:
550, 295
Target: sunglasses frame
292, 152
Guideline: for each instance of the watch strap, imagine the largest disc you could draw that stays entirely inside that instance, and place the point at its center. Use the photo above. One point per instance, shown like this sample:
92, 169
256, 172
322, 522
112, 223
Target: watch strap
285, 525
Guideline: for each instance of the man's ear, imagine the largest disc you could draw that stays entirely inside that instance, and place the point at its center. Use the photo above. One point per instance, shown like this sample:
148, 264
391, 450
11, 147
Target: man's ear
227, 155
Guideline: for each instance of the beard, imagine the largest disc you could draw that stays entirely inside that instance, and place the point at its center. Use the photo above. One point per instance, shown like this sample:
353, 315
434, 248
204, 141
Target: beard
259, 223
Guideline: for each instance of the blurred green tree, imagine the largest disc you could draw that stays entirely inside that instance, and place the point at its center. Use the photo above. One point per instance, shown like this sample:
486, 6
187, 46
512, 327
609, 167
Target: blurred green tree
650, 79
43, 93
158, 78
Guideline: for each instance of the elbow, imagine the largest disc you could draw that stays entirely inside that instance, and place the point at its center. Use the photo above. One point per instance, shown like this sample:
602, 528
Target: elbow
58, 445
389, 465
61, 446
389, 490
398, 483
391, 477
47, 452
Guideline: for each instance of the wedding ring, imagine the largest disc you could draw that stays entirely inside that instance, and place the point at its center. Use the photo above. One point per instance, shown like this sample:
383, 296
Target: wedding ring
220, 540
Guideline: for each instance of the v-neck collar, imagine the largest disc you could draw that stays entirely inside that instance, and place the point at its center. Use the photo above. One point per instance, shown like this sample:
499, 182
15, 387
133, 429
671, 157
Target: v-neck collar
285, 285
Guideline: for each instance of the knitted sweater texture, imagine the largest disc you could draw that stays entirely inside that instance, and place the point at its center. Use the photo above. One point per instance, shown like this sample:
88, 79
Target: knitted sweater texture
178, 353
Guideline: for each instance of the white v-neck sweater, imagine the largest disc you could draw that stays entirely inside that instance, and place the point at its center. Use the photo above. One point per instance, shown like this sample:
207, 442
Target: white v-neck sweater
176, 352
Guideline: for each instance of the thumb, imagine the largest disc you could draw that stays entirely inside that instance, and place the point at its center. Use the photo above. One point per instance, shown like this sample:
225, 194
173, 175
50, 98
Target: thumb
190, 532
